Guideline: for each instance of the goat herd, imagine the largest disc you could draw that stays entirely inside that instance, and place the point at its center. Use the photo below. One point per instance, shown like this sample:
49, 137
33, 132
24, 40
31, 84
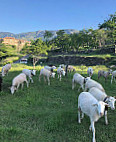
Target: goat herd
93, 103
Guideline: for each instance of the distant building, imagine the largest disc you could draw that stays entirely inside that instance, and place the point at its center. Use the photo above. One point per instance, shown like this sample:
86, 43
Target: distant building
13, 41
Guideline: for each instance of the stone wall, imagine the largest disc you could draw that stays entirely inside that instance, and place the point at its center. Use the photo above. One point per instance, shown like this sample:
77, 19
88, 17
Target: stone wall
74, 60
110, 50
70, 57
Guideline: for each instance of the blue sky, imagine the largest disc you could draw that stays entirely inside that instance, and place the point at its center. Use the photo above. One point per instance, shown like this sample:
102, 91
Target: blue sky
19, 16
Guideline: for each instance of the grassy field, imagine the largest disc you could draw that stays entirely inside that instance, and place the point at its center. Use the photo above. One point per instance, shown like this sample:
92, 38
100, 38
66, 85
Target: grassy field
104, 56
43, 113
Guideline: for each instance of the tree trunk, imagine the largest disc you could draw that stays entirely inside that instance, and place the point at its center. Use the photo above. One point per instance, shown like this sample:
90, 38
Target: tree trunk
35, 60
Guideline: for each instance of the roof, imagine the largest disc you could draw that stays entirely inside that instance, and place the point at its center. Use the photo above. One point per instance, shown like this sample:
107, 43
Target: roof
9, 38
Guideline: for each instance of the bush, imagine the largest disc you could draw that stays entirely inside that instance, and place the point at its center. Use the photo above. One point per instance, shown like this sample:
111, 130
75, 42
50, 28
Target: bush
8, 60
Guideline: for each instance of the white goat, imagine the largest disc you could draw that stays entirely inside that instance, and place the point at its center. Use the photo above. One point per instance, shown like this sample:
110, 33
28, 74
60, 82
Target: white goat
79, 79
89, 83
91, 107
60, 72
62, 66
29, 73
71, 68
46, 73
5, 69
102, 96
113, 76
50, 68
105, 74
90, 71
19, 79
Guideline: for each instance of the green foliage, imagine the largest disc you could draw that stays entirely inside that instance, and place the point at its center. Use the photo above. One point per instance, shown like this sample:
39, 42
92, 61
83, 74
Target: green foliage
110, 26
43, 113
37, 48
60, 33
7, 50
47, 35
8, 60
85, 39
105, 36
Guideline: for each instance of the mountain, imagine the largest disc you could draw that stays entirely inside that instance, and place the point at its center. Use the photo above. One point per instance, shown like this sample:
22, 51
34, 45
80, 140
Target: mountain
6, 34
34, 35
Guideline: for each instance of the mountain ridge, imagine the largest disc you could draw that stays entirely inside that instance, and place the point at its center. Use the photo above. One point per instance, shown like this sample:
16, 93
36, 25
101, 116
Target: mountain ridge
34, 35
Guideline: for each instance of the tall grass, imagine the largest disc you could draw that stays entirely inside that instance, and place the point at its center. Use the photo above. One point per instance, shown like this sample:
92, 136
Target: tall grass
43, 113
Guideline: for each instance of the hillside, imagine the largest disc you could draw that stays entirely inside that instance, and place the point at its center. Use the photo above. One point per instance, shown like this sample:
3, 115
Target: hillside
33, 35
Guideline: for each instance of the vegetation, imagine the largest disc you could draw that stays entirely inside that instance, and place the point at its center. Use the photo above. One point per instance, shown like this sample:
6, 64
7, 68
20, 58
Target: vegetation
8, 54
8, 60
103, 37
7, 50
37, 48
47, 35
49, 113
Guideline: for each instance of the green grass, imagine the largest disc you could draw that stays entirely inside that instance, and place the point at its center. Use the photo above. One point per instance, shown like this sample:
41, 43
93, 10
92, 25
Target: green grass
104, 56
43, 113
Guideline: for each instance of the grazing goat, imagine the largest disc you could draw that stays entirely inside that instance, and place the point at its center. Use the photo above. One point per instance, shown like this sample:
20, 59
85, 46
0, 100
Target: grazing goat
50, 68
60, 72
89, 83
79, 79
0, 83
90, 71
5, 69
62, 66
46, 73
29, 73
50, 65
71, 68
19, 79
105, 74
113, 76
102, 96
89, 105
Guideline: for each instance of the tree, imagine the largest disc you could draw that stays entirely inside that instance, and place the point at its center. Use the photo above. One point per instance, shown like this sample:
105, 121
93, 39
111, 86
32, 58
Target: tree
60, 33
94, 38
47, 35
109, 26
18, 46
6, 50
37, 48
